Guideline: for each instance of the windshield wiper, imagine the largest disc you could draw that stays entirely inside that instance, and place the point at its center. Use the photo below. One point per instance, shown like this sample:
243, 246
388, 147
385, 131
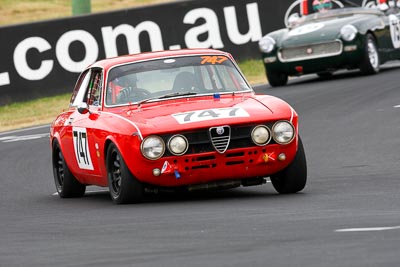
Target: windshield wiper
177, 94
166, 96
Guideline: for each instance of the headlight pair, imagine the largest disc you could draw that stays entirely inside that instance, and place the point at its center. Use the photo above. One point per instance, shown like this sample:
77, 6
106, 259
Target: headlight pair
283, 133
153, 146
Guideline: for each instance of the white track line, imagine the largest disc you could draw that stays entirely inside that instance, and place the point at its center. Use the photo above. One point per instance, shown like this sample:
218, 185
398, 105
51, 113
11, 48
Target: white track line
368, 229
87, 192
26, 129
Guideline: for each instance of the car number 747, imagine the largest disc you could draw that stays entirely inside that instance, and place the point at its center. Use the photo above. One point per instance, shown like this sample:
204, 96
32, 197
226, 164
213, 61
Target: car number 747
81, 148
210, 114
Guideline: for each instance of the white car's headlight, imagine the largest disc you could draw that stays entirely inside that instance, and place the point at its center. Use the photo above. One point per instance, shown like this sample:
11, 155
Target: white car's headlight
266, 44
178, 145
261, 135
153, 147
348, 32
283, 132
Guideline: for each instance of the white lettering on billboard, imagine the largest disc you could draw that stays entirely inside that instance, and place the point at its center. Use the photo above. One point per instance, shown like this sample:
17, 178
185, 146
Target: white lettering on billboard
254, 34
21, 62
204, 31
62, 50
131, 35
211, 27
4, 78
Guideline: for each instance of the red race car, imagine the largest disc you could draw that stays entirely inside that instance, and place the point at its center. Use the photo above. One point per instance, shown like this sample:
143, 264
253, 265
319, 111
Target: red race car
183, 119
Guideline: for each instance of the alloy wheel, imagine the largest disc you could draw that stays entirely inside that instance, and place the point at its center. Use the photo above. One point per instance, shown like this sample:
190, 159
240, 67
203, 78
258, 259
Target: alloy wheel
373, 54
60, 169
115, 172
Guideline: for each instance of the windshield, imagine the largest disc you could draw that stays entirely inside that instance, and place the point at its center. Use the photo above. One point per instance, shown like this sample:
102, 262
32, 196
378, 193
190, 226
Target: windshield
173, 77
340, 13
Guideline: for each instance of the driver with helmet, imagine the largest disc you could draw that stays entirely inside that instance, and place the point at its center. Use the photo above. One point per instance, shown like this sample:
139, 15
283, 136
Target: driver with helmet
322, 5
121, 89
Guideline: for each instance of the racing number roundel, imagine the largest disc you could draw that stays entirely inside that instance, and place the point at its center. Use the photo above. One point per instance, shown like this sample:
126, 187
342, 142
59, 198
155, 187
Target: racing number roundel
395, 30
81, 148
312, 27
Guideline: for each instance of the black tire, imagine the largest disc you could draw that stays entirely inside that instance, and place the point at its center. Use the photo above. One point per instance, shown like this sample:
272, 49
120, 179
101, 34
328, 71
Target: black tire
66, 184
370, 63
294, 178
124, 187
276, 79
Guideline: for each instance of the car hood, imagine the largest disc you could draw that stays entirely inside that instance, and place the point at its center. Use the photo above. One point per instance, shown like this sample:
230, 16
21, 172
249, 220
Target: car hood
200, 112
320, 30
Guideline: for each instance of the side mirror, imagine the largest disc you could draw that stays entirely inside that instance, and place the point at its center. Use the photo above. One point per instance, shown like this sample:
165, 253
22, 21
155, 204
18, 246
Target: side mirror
83, 108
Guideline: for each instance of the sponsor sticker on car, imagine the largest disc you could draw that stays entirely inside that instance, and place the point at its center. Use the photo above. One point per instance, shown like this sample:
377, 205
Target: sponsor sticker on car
213, 60
394, 30
210, 114
81, 148
308, 28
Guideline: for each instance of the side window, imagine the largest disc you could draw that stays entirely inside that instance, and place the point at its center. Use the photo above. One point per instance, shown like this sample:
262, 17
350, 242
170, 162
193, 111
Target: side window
79, 94
94, 91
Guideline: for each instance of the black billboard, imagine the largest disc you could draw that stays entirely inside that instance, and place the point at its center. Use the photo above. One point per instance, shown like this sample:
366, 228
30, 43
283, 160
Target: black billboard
45, 58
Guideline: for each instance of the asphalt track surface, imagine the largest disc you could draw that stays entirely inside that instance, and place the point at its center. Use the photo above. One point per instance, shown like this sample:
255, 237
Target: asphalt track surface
348, 215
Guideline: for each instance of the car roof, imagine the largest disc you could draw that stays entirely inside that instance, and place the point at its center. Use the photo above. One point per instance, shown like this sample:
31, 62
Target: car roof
109, 62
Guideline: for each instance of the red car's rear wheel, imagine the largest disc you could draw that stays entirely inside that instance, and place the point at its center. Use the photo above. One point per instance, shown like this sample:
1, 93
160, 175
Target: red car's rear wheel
66, 184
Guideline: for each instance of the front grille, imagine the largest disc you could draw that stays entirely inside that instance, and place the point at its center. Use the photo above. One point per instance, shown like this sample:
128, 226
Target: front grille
311, 51
220, 138
205, 140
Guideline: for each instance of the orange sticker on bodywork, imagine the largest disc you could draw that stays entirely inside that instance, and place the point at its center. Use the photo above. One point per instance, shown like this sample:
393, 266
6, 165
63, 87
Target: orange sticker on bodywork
213, 59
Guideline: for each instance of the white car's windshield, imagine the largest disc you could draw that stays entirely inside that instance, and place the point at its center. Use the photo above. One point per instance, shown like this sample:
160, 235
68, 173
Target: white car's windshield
173, 77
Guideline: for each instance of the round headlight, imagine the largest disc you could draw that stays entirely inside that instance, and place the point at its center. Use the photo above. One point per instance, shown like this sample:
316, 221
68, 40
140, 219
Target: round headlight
348, 32
153, 147
266, 44
261, 135
178, 145
283, 132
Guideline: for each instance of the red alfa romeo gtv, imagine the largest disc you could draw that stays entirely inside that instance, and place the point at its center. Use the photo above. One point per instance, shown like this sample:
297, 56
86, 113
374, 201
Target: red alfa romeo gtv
184, 119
